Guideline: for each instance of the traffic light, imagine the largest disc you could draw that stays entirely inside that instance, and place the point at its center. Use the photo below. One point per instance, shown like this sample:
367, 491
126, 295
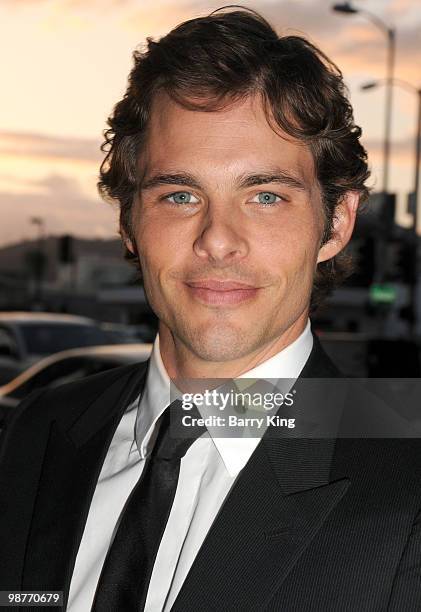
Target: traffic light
65, 249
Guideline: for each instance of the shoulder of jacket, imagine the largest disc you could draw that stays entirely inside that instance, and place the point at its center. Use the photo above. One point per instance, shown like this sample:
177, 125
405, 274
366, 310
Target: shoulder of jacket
89, 387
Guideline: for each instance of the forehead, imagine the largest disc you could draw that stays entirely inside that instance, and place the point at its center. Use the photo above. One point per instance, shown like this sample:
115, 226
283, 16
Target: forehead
224, 142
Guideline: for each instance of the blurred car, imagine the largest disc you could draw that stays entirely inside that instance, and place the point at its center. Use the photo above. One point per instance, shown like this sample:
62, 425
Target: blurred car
67, 366
142, 332
26, 337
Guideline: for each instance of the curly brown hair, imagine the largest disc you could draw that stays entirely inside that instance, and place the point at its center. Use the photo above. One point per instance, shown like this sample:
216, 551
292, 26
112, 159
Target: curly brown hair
209, 62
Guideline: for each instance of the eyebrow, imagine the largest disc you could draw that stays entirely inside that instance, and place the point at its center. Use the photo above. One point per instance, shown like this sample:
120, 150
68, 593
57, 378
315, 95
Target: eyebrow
172, 178
246, 180
279, 176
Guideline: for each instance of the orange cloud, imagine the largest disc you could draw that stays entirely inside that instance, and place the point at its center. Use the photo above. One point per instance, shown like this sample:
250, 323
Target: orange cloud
46, 147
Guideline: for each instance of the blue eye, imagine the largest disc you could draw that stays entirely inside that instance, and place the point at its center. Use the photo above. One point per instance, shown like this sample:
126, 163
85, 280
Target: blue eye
268, 198
181, 197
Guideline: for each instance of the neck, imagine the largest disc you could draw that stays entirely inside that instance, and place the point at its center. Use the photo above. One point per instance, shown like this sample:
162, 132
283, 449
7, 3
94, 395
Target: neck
182, 363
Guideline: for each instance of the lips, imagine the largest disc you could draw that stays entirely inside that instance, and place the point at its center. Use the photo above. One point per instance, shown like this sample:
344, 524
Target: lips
217, 285
214, 292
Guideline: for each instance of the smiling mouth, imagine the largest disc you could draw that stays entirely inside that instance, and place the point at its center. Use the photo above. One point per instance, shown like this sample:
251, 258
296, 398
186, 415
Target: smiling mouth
221, 293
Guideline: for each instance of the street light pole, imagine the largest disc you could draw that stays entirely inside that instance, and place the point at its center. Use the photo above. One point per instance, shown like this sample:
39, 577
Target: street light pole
388, 111
414, 293
347, 8
417, 163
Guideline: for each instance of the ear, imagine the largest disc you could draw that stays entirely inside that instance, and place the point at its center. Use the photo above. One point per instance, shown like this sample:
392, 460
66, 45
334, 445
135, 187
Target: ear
128, 243
343, 226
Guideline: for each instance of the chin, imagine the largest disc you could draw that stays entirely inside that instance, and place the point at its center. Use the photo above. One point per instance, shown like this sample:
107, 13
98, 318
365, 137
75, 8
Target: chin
219, 345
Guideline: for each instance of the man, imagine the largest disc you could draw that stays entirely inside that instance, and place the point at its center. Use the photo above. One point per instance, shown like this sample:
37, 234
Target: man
238, 170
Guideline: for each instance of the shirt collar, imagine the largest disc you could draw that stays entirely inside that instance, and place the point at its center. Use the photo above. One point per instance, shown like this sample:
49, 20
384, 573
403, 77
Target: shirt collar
235, 452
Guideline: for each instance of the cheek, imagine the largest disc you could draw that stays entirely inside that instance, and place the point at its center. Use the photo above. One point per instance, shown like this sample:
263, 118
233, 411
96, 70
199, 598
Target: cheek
288, 247
160, 252
307, 237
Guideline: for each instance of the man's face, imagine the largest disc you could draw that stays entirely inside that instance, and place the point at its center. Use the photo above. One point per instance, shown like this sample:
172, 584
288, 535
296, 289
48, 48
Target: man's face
225, 198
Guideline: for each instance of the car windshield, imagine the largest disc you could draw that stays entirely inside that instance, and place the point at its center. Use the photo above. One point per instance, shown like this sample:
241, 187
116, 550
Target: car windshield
45, 339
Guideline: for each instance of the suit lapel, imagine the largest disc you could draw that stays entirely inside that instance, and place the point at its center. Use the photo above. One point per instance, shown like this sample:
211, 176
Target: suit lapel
277, 505
71, 467
256, 539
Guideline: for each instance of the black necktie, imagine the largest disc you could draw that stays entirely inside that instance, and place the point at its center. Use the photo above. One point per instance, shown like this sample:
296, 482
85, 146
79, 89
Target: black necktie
127, 568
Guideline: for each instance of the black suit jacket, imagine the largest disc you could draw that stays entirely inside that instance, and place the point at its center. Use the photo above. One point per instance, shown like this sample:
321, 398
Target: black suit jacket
309, 525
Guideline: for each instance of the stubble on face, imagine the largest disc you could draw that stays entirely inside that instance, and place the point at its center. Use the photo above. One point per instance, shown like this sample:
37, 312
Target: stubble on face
224, 236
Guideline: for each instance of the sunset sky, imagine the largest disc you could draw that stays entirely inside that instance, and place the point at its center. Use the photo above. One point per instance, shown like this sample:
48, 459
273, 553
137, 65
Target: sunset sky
65, 64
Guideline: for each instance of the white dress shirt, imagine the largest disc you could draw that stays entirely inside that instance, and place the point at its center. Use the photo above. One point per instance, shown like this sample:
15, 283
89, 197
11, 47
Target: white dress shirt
208, 471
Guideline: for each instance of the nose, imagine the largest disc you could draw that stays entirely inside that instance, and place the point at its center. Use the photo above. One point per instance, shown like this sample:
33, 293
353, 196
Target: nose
221, 236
